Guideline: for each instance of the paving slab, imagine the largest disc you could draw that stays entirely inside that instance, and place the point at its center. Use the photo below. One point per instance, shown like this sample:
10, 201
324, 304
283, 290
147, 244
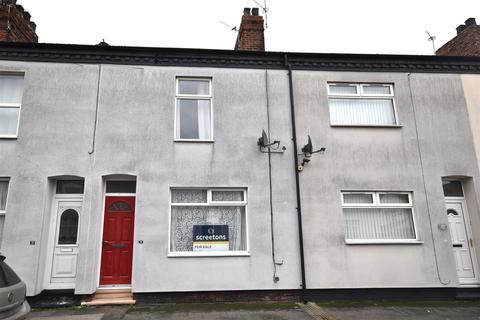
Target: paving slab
468, 310
278, 311
407, 311
216, 315
69, 317
225, 311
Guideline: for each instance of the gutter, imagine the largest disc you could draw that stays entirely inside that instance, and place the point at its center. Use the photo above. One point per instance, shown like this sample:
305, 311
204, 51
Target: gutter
149, 56
297, 180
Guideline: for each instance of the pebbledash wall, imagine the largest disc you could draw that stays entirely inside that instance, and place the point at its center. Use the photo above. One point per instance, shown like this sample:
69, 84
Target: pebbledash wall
130, 94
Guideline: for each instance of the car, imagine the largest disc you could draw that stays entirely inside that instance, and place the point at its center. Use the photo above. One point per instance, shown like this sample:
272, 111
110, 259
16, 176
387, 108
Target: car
13, 304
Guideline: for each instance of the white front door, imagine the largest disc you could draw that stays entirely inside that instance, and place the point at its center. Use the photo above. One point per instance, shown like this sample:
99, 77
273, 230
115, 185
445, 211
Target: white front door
62, 265
462, 242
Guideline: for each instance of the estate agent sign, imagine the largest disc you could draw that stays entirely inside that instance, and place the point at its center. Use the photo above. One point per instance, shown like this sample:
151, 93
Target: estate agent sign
210, 238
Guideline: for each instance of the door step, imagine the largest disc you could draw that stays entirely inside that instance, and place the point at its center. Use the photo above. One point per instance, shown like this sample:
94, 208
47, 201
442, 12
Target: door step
109, 297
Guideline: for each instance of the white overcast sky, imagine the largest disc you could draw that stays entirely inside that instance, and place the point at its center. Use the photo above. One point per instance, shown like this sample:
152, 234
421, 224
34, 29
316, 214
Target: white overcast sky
348, 26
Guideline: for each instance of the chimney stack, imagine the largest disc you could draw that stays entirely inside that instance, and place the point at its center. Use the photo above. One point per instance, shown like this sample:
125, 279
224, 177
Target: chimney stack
250, 34
15, 24
469, 22
466, 42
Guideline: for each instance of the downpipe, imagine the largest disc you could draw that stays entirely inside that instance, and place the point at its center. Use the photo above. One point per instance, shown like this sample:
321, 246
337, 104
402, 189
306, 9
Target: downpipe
297, 180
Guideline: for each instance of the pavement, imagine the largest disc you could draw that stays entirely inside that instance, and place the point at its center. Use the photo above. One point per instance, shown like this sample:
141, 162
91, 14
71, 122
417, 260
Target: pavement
324, 310
398, 310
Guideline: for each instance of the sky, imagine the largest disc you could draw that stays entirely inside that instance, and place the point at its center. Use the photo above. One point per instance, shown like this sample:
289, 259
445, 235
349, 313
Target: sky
335, 26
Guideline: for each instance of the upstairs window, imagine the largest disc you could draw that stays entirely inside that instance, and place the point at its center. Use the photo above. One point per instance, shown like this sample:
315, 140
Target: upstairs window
11, 90
353, 104
378, 217
193, 112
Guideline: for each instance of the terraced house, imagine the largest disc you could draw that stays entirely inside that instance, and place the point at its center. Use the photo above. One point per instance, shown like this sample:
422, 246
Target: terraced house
146, 170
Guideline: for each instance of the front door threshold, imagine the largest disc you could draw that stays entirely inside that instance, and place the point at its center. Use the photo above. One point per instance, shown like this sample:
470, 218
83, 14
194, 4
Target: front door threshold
469, 285
103, 288
110, 296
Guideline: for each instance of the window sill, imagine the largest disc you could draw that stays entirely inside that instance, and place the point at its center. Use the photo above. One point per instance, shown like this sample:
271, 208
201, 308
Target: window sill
366, 126
194, 140
208, 254
8, 137
354, 242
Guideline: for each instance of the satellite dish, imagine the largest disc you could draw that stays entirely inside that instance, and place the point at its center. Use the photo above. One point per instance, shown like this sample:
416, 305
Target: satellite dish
308, 148
263, 140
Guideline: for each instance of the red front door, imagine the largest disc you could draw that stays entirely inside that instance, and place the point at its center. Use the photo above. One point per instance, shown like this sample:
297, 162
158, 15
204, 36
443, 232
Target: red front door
117, 245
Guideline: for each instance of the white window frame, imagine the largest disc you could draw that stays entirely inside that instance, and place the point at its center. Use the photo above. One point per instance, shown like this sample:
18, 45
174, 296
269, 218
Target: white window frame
363, 96
333, 84
179, 96
376, 204
3, 213
12, 106
209, 203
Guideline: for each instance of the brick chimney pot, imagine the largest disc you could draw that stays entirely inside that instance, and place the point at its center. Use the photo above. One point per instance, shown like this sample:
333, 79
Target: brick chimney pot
15, 24
251, 32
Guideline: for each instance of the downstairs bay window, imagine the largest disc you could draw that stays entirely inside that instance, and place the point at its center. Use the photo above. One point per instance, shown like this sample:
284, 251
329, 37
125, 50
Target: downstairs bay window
378, 217
208, 222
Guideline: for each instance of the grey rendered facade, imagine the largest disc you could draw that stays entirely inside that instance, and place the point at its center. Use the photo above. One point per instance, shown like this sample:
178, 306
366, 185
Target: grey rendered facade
88, 112
433, 141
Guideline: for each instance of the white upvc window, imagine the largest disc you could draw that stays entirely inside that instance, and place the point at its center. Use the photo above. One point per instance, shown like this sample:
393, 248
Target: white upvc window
361, 104
11, 91
208, 222
193, 109
3, 204
378, 217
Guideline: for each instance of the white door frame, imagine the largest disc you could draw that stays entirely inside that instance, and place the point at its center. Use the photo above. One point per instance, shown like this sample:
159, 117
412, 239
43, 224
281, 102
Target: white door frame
52, 234
466, 220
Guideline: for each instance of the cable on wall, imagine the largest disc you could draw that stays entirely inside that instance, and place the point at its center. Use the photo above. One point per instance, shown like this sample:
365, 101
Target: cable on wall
96, 110
272, 228
423, 181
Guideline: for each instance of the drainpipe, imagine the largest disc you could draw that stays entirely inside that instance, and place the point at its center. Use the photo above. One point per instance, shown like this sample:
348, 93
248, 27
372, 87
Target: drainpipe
297, 181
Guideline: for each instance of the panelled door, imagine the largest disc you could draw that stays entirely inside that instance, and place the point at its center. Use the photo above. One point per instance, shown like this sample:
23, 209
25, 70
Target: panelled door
65, 248
461, 242
117, 244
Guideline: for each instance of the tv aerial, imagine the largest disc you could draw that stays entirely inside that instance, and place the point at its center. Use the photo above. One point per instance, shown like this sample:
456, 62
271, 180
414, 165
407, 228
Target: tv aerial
307, 152
264, 143
264, 9
431, 38
231, 28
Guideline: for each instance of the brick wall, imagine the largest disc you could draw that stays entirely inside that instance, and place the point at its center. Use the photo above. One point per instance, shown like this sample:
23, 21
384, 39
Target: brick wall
466, 43
15, 24
251, 32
